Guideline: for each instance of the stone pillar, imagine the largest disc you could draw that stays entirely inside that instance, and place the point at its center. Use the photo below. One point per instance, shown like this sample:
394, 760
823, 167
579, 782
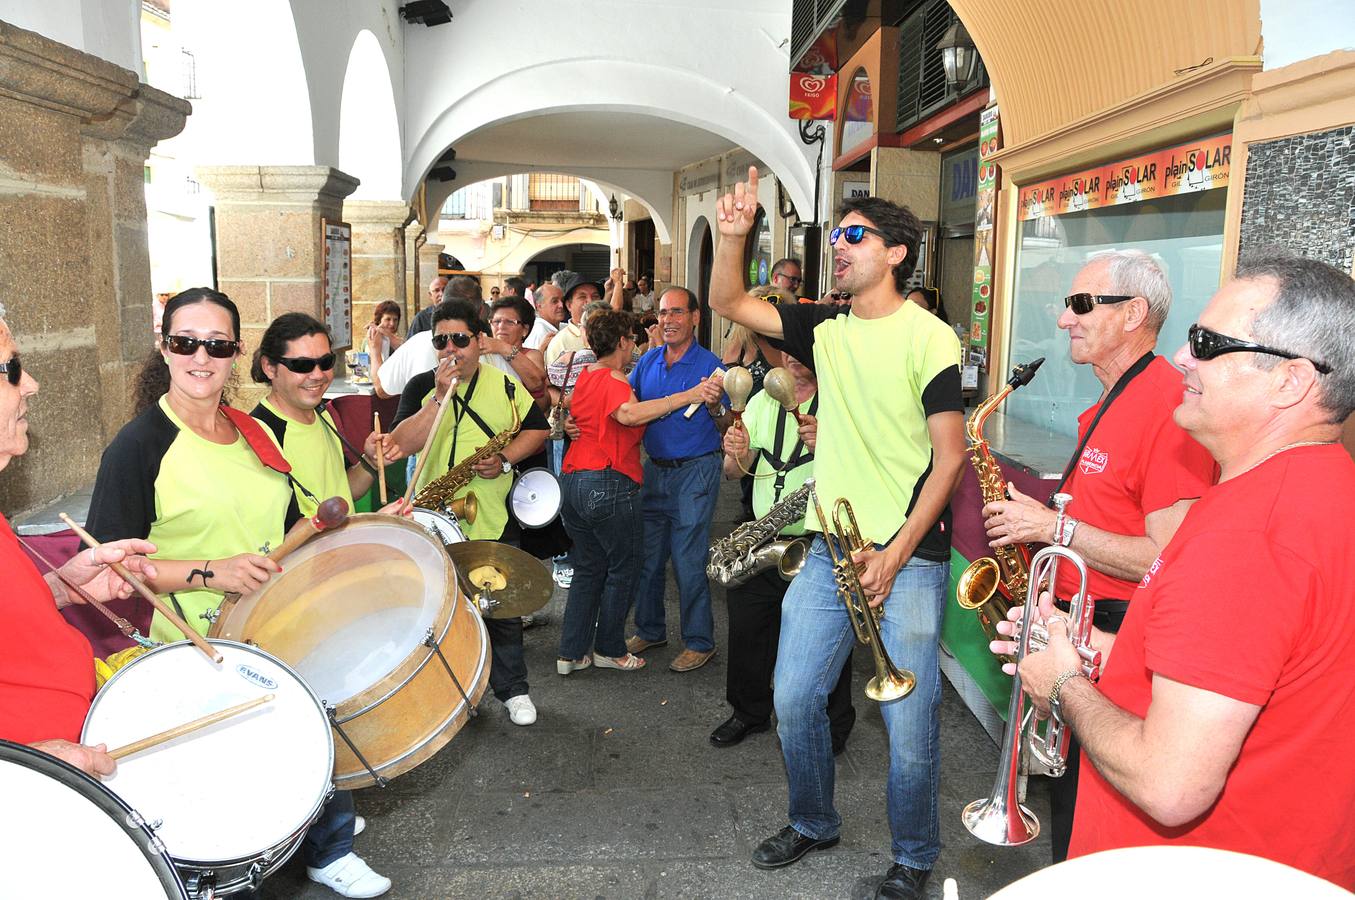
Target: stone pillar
269, 244
428, 269
414, 240
378, 257
75, 132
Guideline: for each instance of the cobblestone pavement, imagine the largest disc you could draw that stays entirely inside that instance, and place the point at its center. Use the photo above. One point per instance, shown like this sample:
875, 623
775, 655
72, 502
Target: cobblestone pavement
616, 792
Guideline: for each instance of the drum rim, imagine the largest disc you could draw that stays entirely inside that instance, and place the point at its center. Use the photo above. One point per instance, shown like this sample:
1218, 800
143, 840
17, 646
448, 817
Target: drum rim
560, 488
418, 656
193, 863
85, 785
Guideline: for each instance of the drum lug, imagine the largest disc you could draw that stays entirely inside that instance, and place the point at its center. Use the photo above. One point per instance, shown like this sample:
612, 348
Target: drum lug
431, 642
334, 723
211, 615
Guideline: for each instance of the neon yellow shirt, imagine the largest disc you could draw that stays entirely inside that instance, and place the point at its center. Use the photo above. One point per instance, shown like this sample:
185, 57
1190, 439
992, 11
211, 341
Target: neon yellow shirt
317, 460
760, 418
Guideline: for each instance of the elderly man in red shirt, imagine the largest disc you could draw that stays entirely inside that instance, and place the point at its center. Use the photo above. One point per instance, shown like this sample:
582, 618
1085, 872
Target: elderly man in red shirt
47, 678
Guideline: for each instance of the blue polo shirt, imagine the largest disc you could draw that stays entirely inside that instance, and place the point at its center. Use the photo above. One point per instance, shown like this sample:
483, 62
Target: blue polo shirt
672, 436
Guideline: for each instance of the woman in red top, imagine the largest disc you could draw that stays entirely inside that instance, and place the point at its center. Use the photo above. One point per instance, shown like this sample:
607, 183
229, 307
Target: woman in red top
601, 484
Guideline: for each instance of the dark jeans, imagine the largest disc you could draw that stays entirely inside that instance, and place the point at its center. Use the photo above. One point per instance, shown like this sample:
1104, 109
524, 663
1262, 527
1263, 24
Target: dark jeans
602, 516
331, 835
508, 665
754, 630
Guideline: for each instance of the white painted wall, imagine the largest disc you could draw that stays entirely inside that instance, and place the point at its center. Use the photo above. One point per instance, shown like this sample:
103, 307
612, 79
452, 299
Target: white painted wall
1292, 30
108, 29
369, 129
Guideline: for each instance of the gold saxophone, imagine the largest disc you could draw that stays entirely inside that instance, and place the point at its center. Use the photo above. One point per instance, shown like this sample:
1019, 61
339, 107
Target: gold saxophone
988, 585
754, 546
438, 493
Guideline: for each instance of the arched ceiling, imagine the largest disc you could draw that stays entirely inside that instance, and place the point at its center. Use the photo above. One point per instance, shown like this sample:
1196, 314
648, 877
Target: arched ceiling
1054, 62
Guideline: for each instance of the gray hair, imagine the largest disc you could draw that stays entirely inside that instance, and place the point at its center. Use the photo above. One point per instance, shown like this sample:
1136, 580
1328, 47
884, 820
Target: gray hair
563, 277
1137, 274
592, 307
1313, 315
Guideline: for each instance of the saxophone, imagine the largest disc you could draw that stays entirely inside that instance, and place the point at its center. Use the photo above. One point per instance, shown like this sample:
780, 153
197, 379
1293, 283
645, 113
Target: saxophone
438, 493
754, 546
988, 584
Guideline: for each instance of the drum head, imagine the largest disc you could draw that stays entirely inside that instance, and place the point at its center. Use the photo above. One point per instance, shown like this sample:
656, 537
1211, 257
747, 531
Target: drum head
66, 835
440, 526
535, 498
225, 793
350, 606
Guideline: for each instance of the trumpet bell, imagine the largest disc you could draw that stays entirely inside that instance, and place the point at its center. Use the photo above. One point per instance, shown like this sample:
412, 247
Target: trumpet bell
995, 821
977, 583
893, 686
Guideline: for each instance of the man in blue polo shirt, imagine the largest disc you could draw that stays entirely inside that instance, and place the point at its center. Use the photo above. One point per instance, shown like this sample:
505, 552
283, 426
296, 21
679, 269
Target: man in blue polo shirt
682, 478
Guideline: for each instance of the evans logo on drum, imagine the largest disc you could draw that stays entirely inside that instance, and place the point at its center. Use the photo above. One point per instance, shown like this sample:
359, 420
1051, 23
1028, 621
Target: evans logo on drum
256, 677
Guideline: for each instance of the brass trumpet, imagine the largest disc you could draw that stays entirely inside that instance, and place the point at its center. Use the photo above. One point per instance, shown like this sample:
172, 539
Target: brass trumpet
1000, 818
890, 682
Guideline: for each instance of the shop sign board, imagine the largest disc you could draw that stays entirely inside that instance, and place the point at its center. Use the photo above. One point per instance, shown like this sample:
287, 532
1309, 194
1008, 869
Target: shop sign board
813, 96
981, 297
1199, 165
854, 190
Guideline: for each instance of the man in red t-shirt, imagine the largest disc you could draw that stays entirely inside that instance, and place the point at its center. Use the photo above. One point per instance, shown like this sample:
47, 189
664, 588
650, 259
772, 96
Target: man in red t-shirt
1223, 715
1137, 472
46, 684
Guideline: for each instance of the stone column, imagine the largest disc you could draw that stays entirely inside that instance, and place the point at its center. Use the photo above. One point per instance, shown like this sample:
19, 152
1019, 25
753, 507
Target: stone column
75, 131
378, 257
414, 240
269, 244
428, 269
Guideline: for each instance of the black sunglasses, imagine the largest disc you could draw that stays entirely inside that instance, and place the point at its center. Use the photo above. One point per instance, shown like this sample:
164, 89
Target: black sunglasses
14, 370
1206, 344
854, 234
459, 339
304, 365
217, 348
1085, 303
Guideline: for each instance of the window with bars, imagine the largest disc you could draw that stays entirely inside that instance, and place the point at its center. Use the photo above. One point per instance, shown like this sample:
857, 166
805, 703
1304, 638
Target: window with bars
922, 75
551, 192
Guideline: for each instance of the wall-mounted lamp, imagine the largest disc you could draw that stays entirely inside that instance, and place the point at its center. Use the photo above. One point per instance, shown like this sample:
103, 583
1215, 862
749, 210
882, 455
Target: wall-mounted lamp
958, 55
614, 209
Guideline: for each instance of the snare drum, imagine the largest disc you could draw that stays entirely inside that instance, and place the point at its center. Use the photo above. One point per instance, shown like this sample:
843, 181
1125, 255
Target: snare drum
440, 526
66, 835
232, 801
371, 616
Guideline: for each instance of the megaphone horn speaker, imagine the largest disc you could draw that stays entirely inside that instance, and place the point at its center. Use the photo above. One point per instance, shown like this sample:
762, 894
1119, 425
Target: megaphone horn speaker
535, 498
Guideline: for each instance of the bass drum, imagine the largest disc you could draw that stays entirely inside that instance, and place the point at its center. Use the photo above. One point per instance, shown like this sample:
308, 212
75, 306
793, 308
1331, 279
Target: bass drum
372, 617
66, 835
231, 801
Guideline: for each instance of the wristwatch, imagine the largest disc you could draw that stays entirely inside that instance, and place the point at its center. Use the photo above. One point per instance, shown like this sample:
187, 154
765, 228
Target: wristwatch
1064, 538
507, 466
1055, 702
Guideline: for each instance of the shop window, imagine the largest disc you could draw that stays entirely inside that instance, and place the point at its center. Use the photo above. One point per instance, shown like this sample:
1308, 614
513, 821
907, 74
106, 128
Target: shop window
858, 121
758, 255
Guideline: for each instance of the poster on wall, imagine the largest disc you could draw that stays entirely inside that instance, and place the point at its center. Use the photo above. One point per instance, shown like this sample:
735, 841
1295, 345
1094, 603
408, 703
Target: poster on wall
981, 298
813, 96
337, 282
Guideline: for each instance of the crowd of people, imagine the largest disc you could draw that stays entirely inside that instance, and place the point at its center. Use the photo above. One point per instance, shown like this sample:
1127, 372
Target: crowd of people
1208, 493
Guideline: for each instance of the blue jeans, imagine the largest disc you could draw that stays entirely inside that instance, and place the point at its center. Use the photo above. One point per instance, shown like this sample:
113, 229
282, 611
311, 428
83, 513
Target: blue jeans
555, 454
330, 836
602, 515
816, 637
678, 505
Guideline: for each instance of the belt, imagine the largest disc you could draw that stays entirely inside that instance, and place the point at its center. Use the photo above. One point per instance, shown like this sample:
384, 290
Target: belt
679, 461
1108, 614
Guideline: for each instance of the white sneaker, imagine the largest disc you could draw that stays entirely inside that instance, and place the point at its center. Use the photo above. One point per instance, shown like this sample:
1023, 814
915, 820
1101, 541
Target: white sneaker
359, 823
521, 709
349, 876
564, 576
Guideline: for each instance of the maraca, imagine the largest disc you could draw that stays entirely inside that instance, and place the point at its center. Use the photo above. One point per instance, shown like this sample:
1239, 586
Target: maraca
738, 385
780, 384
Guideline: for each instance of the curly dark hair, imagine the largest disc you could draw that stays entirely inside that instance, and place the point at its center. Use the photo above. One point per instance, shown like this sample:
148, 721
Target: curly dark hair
900, 226
283, 330
152, 382
384, 307
606, 328
461, 310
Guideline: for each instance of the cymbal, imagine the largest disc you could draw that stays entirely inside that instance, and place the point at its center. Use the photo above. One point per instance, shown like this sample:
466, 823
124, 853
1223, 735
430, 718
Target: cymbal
527, 585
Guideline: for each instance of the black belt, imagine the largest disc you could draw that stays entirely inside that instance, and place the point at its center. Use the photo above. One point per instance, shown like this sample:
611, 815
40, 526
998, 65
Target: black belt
1107, 615
681, 460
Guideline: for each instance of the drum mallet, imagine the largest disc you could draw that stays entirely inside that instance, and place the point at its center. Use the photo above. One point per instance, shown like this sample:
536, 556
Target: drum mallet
330, 514
147, 594
188, 727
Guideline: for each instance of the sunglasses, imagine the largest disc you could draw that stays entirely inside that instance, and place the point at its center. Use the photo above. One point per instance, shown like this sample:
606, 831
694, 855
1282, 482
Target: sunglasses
1085, 303
1206, 344
217, 348
794, 281
304, 365
14, 370
856, 233
459, 339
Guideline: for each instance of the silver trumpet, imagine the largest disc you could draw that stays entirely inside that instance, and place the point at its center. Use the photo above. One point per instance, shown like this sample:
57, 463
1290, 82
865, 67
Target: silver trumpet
1000, 818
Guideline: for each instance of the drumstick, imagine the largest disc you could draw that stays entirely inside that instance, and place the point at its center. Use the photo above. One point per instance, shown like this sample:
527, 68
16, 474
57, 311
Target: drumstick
330, 514
380, 456
691, 409
147, 594
188, 727
428, 444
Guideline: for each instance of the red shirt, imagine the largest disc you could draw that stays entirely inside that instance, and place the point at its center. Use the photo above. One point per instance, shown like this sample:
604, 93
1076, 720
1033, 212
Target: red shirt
1253, 599
47, 668
603, 442
1138, 461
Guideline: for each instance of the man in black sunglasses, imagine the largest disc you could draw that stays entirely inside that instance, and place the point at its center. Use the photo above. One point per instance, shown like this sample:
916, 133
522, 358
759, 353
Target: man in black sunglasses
480, 410
787, 275
1223, 697
1136, 472
891, 442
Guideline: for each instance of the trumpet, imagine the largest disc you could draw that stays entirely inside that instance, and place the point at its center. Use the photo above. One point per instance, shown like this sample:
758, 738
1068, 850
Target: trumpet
1000, 818
890, 682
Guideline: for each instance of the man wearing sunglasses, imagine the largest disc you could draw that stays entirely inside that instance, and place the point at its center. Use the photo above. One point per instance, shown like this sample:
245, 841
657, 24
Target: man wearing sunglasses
891, 442
480, 410
1135, 473
786, 275
1223, 701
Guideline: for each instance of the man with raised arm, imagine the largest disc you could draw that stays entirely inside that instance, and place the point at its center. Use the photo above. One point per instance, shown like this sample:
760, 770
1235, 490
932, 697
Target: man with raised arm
890, 441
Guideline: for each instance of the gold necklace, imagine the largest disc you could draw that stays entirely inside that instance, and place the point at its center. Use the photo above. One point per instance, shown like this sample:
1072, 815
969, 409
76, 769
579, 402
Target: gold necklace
1274, 453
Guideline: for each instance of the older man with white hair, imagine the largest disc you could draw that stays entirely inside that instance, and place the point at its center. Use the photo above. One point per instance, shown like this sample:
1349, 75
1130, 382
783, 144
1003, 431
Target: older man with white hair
1135, 472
